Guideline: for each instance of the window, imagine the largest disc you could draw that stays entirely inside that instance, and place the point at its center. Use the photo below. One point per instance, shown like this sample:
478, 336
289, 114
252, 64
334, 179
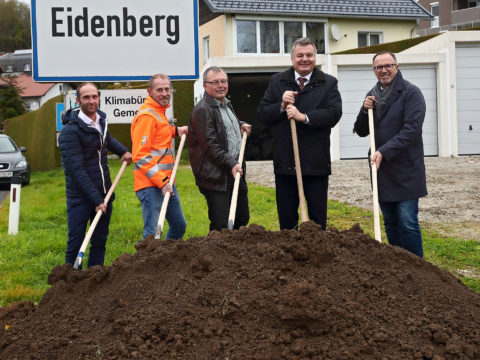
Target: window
276, 37
206, 49
369, 38
6, 145
316, 33
246, 36
291, 32
269, 37
434, 9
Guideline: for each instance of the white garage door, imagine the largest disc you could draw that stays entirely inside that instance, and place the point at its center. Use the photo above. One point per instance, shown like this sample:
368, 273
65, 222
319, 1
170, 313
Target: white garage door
355, 82
468, 98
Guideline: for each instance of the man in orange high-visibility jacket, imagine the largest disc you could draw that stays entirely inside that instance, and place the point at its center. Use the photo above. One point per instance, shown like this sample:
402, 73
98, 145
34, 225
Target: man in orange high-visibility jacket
153, 157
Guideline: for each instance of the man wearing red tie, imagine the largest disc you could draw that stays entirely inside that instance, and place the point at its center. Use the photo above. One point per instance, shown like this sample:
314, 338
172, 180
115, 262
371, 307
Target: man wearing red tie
312, 99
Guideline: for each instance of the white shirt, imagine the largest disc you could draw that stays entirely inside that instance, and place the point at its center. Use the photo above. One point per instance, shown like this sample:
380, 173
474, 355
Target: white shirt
297, 76
88, 121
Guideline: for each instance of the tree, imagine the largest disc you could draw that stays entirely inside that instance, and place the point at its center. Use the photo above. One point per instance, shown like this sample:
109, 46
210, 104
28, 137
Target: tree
11, 103
15, 32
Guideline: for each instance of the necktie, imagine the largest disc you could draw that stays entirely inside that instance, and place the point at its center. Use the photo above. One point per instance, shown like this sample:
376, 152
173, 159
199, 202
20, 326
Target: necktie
301, 82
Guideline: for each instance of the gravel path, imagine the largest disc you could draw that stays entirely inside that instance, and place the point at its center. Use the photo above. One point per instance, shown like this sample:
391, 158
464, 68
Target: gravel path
452, 207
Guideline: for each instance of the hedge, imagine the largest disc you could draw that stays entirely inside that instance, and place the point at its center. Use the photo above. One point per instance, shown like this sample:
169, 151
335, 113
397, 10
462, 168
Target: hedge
36, 130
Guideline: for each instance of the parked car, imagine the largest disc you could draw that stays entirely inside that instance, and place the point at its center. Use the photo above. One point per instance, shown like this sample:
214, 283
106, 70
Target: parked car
12, 161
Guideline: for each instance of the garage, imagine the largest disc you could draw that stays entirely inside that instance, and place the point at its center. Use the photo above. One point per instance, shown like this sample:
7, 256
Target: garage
355, 82
468, 98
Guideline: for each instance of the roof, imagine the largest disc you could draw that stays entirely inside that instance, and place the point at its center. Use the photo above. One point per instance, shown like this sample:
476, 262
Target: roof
405, 9
18, 54
29, 87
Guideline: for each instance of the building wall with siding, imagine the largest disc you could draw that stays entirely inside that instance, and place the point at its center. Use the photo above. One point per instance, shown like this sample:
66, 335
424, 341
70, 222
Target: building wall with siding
215, 30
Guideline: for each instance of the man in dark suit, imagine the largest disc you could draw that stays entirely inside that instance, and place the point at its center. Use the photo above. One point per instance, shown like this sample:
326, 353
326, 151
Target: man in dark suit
312, 99
399, 111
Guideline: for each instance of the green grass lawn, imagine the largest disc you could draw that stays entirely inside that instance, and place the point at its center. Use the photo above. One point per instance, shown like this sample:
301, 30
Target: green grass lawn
27, 258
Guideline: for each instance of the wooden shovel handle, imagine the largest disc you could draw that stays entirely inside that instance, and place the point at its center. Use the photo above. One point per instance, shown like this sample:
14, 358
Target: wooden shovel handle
163, 210
95, 221
376, 212
298, 170
233, 204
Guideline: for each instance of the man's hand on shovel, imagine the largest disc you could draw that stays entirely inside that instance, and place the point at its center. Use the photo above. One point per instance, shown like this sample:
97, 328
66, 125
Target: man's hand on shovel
237, 169
288, 98
127, 157
102, 207
288, 101
293, 113
376, 159
167, 188
246, 128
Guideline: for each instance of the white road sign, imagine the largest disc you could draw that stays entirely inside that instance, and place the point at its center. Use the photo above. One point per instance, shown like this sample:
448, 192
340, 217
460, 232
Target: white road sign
119, 105
114, 40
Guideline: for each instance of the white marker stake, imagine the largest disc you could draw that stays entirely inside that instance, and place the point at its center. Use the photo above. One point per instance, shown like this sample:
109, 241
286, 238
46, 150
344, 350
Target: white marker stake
14, 214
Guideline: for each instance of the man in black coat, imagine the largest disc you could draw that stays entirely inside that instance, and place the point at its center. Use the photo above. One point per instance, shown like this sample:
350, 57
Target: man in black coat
399, 111
84, 142
312, 99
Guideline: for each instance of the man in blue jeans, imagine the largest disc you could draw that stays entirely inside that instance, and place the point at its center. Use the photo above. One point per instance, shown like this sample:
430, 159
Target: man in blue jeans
399, 111
152, 151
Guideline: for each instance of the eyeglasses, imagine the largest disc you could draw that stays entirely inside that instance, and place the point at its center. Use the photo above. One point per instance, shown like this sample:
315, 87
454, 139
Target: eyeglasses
387, 67
216, 83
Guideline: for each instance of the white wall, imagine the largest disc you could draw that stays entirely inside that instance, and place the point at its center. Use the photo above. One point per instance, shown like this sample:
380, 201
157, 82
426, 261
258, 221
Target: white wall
438, 52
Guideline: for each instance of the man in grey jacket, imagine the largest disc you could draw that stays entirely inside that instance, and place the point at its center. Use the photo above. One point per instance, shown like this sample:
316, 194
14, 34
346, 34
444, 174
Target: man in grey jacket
214, 140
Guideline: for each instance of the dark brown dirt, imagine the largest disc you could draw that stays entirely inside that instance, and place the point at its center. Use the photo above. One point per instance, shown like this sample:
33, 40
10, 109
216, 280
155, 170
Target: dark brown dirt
250, 294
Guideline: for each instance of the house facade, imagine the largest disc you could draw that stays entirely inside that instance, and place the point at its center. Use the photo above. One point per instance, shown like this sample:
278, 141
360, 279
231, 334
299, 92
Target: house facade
20, 61
267, 28
33, 94
449, 15
252, 40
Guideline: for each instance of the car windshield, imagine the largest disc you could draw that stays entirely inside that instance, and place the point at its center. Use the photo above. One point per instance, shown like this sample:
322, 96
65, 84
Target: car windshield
6, 145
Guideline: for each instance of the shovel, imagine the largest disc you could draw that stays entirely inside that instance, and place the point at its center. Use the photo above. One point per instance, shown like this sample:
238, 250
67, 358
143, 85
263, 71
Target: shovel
376, 214
298, 170
233, 204
93, 224
163, 210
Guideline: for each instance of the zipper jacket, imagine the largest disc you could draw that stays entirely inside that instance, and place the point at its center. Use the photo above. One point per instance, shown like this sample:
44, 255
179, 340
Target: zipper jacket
208, 146
152, 150
84, 157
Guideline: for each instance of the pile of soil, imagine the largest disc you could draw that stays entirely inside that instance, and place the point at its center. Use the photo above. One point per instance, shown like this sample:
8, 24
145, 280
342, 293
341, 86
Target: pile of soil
250, 294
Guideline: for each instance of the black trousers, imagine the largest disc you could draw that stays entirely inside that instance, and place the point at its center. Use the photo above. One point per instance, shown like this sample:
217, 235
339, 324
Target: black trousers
218, 203
315, 189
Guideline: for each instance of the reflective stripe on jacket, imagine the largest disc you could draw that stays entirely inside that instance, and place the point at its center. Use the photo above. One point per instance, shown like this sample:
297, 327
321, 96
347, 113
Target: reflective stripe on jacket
152, 146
